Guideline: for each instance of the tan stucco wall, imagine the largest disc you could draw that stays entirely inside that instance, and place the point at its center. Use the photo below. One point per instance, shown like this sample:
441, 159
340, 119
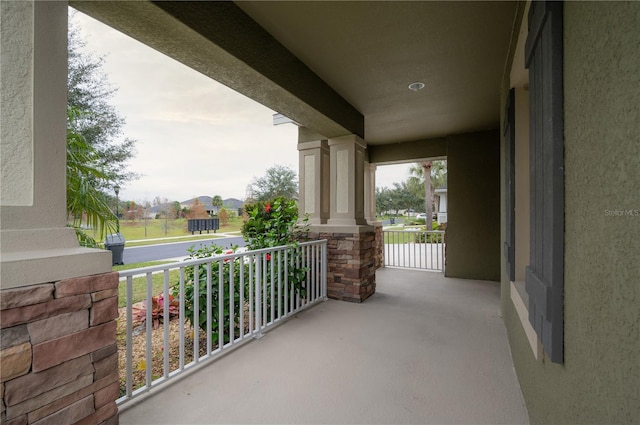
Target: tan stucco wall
599, 379
473, 186
408, 151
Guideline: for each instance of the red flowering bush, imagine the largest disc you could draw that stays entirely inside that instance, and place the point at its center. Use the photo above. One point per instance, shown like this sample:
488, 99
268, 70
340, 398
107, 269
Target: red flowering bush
275, 223
272, 223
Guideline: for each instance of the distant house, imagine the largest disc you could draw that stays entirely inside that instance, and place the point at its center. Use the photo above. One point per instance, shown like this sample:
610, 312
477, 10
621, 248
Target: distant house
442, 204
159, 209
231, 204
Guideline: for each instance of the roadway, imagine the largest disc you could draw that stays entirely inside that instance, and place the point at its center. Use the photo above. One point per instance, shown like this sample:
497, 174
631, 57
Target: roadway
174, 250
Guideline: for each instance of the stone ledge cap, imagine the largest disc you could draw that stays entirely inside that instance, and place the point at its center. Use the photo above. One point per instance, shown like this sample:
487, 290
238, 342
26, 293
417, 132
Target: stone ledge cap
333, 228
44, 266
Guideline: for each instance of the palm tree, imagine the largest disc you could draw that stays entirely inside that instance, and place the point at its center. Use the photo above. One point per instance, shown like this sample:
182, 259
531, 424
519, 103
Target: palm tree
437, 171
87, 207
216, 202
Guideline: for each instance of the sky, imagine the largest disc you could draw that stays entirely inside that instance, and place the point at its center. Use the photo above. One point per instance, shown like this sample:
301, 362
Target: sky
194, 136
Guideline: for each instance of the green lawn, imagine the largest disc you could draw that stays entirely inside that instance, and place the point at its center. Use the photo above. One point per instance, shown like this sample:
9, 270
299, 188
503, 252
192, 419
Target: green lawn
140, 285
160, 228
402, 235
121, 267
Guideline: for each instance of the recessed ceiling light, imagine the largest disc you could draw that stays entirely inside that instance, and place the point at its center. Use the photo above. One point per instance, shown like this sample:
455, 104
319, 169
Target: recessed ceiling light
416, 86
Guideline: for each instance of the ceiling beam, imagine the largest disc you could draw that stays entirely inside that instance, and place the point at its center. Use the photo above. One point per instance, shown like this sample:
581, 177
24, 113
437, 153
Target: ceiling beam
221, 41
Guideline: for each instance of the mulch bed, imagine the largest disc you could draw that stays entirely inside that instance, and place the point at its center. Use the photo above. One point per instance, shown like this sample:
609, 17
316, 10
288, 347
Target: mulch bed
139, 348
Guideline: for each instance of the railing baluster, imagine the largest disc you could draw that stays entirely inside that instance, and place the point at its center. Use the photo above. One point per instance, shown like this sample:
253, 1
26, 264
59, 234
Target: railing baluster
258, 296
181, 318
265, 281
272, 286
314, 282
196, 313
129, 347
149, 332
280, 284
309, 283
209, 302
286, 282
166, 317
220, 304
324, 270
241, 312
232, 302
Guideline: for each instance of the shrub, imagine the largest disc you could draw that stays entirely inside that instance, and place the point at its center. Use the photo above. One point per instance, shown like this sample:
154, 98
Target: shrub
201, 278
429, 237
269, 224
275, 223
272, 223
157, 310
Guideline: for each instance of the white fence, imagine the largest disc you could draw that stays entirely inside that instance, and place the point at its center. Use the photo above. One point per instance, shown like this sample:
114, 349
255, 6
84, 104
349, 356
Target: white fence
233, 298
414, 249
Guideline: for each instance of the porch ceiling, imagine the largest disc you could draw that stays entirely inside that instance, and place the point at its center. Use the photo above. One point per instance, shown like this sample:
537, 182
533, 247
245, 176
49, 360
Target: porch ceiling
340, 67
369, 52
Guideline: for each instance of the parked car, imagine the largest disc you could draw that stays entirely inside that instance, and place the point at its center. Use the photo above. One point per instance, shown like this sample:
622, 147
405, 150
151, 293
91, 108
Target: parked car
422, 216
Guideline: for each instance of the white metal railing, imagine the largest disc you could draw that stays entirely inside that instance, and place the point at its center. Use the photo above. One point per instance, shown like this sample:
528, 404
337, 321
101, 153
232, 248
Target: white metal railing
415, 249
237, 297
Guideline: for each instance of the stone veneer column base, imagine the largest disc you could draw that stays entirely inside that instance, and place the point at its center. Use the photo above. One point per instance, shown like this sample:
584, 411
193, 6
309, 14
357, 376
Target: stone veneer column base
351, 270
58, 354
379, 247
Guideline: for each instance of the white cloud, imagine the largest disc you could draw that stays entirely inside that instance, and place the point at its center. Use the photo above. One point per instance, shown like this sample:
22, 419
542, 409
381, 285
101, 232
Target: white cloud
194, 136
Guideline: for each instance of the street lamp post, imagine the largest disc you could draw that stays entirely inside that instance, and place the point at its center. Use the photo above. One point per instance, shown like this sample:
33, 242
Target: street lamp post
116, 189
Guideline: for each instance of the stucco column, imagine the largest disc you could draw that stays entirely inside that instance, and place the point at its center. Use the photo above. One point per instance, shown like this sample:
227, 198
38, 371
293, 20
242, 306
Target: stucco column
35, 244
347, 155
59, 361
370, 212
313, 198
370, 192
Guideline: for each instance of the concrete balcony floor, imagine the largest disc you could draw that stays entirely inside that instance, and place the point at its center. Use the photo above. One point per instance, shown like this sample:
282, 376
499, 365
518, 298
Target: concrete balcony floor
424, 349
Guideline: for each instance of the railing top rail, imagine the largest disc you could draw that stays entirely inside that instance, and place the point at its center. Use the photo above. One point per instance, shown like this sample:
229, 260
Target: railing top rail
414, 230
222, 257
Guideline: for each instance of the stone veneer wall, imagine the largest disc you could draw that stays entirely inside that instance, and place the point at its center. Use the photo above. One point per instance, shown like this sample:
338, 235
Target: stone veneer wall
379, 248
59, 360
351, 271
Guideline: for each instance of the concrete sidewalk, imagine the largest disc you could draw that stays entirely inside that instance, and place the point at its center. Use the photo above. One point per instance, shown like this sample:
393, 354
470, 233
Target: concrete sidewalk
424, 349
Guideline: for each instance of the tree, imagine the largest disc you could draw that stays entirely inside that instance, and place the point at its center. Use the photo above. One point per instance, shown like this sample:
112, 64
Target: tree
216, 202
89, 92
428, 197
197, 210
158, 201
224, 217
383, 200
87, 207
437, 172
176, 210
404, 196
278, 181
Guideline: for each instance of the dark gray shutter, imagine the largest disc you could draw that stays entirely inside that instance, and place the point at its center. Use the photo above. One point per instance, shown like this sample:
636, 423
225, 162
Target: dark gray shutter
510, 185
544, 276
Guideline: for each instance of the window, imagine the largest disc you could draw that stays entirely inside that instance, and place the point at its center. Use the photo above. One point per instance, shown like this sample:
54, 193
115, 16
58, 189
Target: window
544, 276
510, 185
